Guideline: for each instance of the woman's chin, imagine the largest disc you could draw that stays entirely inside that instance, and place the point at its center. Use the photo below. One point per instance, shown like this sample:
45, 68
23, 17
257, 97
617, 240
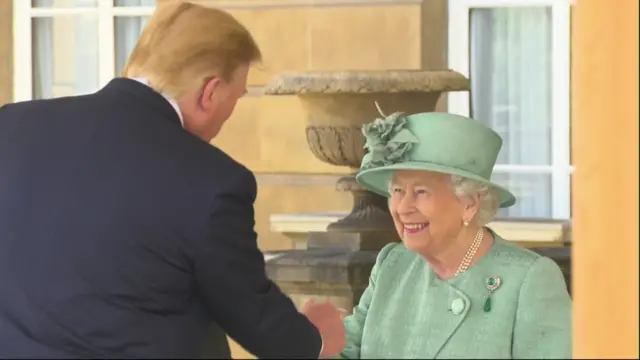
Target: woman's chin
414, 242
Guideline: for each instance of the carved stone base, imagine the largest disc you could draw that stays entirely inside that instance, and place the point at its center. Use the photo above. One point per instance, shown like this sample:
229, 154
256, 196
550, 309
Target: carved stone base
370, 211
364, 240
338, 275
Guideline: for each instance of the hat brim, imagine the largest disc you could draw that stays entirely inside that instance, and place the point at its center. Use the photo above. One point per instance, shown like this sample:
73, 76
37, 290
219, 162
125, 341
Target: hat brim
377, 179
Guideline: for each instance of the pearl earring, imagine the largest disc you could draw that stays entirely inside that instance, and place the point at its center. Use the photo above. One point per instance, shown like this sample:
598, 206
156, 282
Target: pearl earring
465, 223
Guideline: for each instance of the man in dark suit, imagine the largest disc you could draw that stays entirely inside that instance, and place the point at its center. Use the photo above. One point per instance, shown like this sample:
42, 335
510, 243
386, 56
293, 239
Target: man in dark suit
123, 232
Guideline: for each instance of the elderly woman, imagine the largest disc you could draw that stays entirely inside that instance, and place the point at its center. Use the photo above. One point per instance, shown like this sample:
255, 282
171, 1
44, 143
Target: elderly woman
453, 288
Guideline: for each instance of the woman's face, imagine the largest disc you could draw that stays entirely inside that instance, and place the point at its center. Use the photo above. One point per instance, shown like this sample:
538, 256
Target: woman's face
426, 212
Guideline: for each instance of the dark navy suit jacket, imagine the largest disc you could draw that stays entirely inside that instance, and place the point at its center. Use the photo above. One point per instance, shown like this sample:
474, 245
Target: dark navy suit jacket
122, 235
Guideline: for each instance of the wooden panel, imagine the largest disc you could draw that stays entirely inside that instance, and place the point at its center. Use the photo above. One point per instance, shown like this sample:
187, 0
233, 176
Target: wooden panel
605, 181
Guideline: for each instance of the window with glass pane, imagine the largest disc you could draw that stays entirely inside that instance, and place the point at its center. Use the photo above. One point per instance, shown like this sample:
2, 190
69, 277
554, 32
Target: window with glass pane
65, 55
131, 3
63, 3
67, 51
510, 68
128, 30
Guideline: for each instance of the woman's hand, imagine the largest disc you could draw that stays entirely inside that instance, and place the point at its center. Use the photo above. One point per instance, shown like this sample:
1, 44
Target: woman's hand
328, 319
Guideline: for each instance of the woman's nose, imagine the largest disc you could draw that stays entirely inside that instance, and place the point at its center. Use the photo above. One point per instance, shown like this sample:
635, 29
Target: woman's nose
406, 205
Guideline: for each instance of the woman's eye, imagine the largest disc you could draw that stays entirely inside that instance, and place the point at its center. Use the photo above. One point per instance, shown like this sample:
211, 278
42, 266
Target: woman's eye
421, 192
396, 190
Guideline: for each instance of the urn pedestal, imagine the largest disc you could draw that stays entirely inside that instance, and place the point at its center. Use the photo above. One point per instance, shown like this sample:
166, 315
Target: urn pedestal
337, 261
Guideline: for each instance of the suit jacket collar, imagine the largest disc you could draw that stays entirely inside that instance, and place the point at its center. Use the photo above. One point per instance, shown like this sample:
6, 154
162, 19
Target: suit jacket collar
154, 101
171, 101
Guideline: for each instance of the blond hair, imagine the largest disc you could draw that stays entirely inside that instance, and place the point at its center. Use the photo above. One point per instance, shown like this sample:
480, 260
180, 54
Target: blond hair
184, 44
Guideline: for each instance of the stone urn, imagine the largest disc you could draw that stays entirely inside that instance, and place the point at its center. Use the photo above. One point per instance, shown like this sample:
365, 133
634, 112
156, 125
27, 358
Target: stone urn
338, 103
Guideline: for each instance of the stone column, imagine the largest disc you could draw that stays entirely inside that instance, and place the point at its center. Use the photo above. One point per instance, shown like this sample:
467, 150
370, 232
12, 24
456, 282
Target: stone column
605, 181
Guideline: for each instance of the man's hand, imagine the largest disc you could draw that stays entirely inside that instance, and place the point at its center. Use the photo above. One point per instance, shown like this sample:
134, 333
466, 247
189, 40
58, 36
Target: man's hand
328, 319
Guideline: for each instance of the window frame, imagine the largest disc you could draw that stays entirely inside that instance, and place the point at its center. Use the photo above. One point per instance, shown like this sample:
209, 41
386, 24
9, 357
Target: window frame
458, 103
106, 12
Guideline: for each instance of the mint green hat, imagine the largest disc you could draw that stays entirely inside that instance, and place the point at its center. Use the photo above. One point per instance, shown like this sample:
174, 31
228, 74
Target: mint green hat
439, 142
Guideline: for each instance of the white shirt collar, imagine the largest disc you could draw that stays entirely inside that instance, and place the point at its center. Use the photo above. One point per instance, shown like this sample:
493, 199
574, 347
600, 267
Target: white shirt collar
171, 100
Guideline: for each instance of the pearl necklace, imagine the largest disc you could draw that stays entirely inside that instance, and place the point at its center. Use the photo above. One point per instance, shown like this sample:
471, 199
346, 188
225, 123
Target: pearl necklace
466, 260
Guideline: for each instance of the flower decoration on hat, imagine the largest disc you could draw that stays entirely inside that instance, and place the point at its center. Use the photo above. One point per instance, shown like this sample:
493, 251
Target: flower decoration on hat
388, 140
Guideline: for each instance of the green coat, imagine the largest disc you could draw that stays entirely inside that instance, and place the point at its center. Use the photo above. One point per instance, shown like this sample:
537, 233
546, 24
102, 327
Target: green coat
406, 311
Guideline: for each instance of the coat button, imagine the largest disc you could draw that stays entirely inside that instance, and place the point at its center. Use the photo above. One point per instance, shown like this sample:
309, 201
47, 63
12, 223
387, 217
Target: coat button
457, 306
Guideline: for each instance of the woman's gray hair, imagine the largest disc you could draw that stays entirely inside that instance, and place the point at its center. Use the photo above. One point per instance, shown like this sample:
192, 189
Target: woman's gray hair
489, 199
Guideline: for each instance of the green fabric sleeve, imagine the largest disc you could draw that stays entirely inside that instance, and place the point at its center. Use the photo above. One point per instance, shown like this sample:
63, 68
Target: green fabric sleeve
354, 323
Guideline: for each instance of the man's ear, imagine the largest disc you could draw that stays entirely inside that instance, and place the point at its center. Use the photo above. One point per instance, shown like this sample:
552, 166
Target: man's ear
209, 90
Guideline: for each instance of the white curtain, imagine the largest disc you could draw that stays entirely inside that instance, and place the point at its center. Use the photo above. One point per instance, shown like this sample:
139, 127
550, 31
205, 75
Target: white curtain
65, 56
510, 73
128, 30
41, 54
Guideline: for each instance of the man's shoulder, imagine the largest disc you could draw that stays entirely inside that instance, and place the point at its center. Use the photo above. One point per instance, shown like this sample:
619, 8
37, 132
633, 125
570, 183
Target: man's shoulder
18, 108
216, 154
217, 159
210, 170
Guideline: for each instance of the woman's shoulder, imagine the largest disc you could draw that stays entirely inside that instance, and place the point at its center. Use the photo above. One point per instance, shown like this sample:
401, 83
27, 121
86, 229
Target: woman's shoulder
396, 257
510, 256
388, 255
506, 252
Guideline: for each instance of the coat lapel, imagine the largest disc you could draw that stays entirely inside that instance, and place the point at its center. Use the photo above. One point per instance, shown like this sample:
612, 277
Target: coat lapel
455, 306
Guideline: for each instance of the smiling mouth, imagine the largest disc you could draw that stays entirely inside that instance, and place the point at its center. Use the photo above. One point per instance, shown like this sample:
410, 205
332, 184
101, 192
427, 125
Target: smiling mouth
414, 227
